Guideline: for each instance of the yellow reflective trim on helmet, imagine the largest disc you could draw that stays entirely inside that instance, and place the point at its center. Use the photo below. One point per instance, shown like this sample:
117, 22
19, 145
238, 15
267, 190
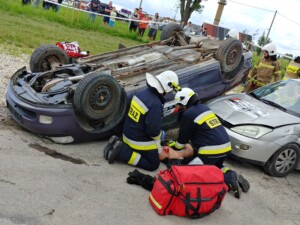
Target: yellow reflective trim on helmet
155, 202
175, 86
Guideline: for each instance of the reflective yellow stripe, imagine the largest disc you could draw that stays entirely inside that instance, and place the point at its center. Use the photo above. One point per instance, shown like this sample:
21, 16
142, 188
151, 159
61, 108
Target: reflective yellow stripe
215, 150
261, 65
134, 159
225, 169
204, 116
157, 137
139, 105
178, 145
155, 202
292, 69
140, 145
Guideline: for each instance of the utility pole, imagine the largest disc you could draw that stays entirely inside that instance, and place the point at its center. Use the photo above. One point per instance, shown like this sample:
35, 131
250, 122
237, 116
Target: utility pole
270, 26
141, 3
221, 3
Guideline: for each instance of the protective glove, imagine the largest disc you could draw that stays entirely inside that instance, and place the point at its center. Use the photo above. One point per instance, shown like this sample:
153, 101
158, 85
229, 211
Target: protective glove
144, 180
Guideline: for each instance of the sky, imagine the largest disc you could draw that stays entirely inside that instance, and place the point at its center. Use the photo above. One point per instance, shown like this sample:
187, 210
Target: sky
240, 15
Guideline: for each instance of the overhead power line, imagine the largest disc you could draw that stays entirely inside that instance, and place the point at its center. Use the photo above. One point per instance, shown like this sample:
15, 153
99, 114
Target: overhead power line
268, 10
289, 19
252, 6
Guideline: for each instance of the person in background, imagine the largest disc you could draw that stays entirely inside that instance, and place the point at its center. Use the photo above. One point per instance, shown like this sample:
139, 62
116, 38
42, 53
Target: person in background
113, 15
26, 2
188, 29
95, 4
153, 27
134, 24
143, 24
142, 134
35, 3
267, 70
204, 32
203, 136
141, 15
293, 69
107, 11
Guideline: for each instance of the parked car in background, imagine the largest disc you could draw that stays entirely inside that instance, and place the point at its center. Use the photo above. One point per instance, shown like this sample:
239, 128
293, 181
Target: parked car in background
264, 125
87, 100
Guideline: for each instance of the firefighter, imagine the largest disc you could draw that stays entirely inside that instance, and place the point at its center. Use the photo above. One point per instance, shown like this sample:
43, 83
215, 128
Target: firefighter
267, 69
209, 140
142, 134
293, 69
233, 33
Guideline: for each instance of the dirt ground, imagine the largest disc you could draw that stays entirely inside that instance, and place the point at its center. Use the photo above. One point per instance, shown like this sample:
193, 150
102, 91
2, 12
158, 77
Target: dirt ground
44, 183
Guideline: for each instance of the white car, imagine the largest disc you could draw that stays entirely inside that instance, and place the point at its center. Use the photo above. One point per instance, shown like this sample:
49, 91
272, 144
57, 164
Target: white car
264, 125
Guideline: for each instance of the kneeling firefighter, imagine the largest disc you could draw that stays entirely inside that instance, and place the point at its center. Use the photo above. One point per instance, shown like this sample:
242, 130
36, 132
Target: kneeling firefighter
142, 128
209, 139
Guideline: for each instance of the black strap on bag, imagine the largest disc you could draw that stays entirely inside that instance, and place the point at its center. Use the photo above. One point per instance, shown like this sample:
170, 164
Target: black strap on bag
195, 210
167, 185
189, 206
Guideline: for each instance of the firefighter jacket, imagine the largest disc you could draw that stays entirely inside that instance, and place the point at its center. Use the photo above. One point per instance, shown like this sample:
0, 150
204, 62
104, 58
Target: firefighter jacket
265, 70
292, 71
203, 129
142, 125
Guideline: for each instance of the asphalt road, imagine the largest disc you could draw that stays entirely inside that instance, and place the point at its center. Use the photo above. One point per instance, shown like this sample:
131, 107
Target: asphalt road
44, 183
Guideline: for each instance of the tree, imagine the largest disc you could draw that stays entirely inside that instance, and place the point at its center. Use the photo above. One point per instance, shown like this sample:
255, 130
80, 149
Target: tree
261, 42
187, 7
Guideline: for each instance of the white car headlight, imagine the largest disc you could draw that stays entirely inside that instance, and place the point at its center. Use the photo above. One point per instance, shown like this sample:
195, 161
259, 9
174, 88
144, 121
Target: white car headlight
251, 131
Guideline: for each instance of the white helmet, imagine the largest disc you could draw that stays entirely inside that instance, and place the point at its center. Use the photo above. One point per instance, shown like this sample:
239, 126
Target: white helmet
182, 97
233, 33
270, 48
165, 82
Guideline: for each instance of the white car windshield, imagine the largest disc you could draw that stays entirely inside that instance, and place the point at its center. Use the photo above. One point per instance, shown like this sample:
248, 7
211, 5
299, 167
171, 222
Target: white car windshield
284, 94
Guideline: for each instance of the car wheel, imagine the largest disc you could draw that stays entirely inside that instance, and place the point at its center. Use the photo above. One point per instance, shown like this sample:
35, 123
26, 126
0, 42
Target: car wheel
283, 161
229, 54
172, 30
232, 74
99, 97
47, 57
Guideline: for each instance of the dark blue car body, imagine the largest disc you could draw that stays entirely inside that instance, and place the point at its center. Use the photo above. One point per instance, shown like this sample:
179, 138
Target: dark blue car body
51, 113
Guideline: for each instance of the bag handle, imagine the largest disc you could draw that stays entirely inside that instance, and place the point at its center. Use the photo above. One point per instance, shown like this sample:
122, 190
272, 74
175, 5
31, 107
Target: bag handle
167, 185
195, 210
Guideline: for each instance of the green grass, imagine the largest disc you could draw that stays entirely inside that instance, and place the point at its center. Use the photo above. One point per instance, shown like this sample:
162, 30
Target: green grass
24, 28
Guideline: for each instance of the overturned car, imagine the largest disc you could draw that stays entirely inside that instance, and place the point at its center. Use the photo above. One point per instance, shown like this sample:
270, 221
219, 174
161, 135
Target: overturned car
88, 99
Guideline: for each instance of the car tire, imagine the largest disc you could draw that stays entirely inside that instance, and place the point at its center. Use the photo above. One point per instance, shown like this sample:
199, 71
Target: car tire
229, 54
46, 57
283, 161
169, 30
232, 74
97, 96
